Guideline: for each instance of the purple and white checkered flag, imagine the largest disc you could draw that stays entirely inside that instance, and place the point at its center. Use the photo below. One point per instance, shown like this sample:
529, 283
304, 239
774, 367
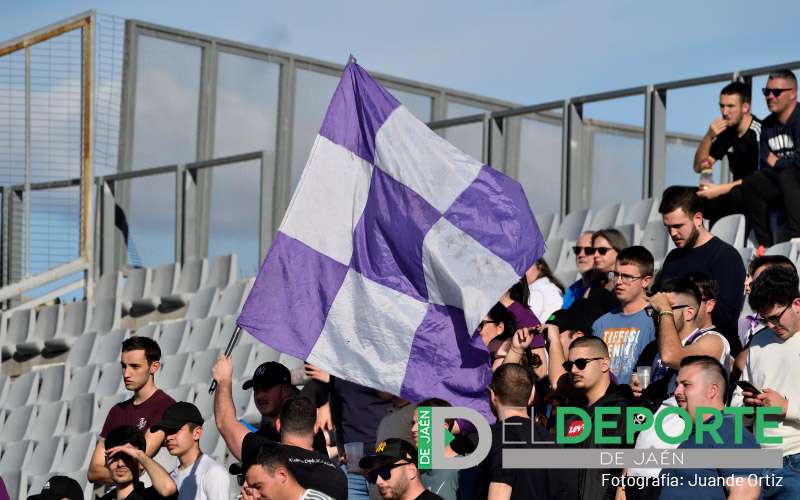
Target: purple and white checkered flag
394, 246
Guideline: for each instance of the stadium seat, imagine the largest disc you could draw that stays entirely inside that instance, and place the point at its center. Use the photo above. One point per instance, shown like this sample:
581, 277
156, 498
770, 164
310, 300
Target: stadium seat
150, 331
204, 401
172, 369
232, 298
15, 484
552, 253
137, 285
104, 406
48, 322
290, 362
747, 255
193, 277
227, 326
202, 333
48, 452
76, 316
17, 328
607, 217
567, 277
81, 414
630, 232
23, 391
730, 229
82, 380
640, 212
110, 380
15, 455
200, 369
223, 271
165, 279
655, 239
787, 248
17, 423
245, 405
573, 224
265, 353
171, 337
50, 420
211, 442
82, 350
77, 453
105, 315
246, 360
548, 224
109, 347
108, 286
182, 393
202, 303
52, 383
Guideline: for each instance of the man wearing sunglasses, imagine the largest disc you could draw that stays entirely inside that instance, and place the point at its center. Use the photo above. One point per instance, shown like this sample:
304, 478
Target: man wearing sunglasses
584, 261
393, 468
773, 367
778, 182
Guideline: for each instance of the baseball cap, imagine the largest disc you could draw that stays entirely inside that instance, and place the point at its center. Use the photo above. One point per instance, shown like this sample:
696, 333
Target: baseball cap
268, 375
178, 414
390, 451
58, 487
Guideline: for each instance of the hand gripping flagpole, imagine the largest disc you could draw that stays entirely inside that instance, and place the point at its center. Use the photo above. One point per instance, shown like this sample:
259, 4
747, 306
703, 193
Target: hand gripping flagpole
237, 332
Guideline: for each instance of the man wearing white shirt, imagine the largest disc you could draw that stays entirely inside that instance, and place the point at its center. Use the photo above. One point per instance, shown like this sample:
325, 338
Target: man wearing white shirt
197, 475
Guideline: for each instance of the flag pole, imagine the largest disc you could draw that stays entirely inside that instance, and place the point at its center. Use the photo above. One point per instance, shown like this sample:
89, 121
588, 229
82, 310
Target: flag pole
228, 350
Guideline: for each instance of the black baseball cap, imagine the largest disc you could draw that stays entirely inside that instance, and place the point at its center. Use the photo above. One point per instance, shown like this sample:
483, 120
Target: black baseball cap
58, 487
389, 452
176, 415
268, 375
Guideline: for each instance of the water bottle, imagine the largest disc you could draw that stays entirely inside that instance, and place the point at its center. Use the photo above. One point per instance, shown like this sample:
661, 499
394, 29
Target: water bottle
706, 177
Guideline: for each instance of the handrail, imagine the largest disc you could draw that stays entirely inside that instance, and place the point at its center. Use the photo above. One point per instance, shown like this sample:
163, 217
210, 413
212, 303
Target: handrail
22, 286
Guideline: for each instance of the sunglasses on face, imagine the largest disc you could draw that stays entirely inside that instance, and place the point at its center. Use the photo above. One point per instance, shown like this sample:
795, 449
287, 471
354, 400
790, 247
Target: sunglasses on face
485, 322
587, 250
579, 363
774, 92
384, 472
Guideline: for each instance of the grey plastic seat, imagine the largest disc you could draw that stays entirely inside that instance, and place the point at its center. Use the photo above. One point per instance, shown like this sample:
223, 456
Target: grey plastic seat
50, 420
165, 278
48, 322
202, 303
265, 353
211, 442
17, 423
52, 386
81, 414
572, 225
48, 452
82, 350
137, 285
76, 316
5, 386
566, 259
23, 391
567, 277
200, 370
172, 370
245, 357
172, 335
109, 346
77, 453
245, 405
730, 229
194, 274
552, 253
638, 213
202, 333
548, 224
629, 231
787, 249
232, 298
108, 286
150, 331
606, 217
106, 315
205, 403
15, 456
110, 380
227, 326
747, 256
290, 362
104, 406
18, 329
223, 271
82, 380
182, 393
15, 484
655, 239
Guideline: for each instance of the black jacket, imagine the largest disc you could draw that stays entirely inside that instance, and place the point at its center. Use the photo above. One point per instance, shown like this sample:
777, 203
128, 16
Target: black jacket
782, 140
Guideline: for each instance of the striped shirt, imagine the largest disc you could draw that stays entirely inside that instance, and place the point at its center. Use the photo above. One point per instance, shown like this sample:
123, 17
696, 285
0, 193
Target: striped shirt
315, 495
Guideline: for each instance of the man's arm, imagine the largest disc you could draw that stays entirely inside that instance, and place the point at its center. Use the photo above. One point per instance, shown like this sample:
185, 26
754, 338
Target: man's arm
669, 341
709, 150
98, 472
555, 364
499, 491
159, 476
712, 191
745, 491
231, 430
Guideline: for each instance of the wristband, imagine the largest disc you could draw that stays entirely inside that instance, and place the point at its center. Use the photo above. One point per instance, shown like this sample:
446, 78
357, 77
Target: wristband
665, 313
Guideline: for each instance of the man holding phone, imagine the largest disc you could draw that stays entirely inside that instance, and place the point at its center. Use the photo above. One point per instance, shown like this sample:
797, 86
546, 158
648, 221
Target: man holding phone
772, 369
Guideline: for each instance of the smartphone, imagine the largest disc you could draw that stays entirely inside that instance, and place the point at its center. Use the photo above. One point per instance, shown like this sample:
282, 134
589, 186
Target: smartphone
747, 386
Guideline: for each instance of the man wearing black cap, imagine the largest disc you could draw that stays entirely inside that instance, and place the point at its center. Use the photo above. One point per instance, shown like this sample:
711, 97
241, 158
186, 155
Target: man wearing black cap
272, 386
59, 488
197, 476
393, 468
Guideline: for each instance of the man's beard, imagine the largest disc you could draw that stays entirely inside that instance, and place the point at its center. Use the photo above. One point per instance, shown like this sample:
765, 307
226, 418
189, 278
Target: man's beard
692, 239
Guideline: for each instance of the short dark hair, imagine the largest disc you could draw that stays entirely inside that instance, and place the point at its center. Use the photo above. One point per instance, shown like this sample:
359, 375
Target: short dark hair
298, 416
712, 367
613, 236
270, 458
512, 384
639, 256
708, 286
784, 73
683, 197
150, 347
770, 261
738, 88
683, 285
595, 343
125, 434
498, 312
777, 285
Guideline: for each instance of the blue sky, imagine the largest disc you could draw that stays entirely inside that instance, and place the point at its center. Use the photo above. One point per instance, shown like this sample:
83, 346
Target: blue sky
525, 51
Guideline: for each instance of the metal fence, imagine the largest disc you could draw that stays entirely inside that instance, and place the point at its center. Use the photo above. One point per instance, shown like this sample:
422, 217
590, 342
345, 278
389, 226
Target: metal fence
182, 99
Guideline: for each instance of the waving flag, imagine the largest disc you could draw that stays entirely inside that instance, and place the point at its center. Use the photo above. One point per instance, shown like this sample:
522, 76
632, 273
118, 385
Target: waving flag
394, 246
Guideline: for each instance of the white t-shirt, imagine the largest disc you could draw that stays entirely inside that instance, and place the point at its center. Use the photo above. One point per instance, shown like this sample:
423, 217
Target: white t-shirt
204, 480
545, 298
315, 495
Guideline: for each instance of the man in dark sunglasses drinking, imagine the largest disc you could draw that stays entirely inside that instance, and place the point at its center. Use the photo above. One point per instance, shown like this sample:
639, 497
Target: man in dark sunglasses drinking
393, 468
